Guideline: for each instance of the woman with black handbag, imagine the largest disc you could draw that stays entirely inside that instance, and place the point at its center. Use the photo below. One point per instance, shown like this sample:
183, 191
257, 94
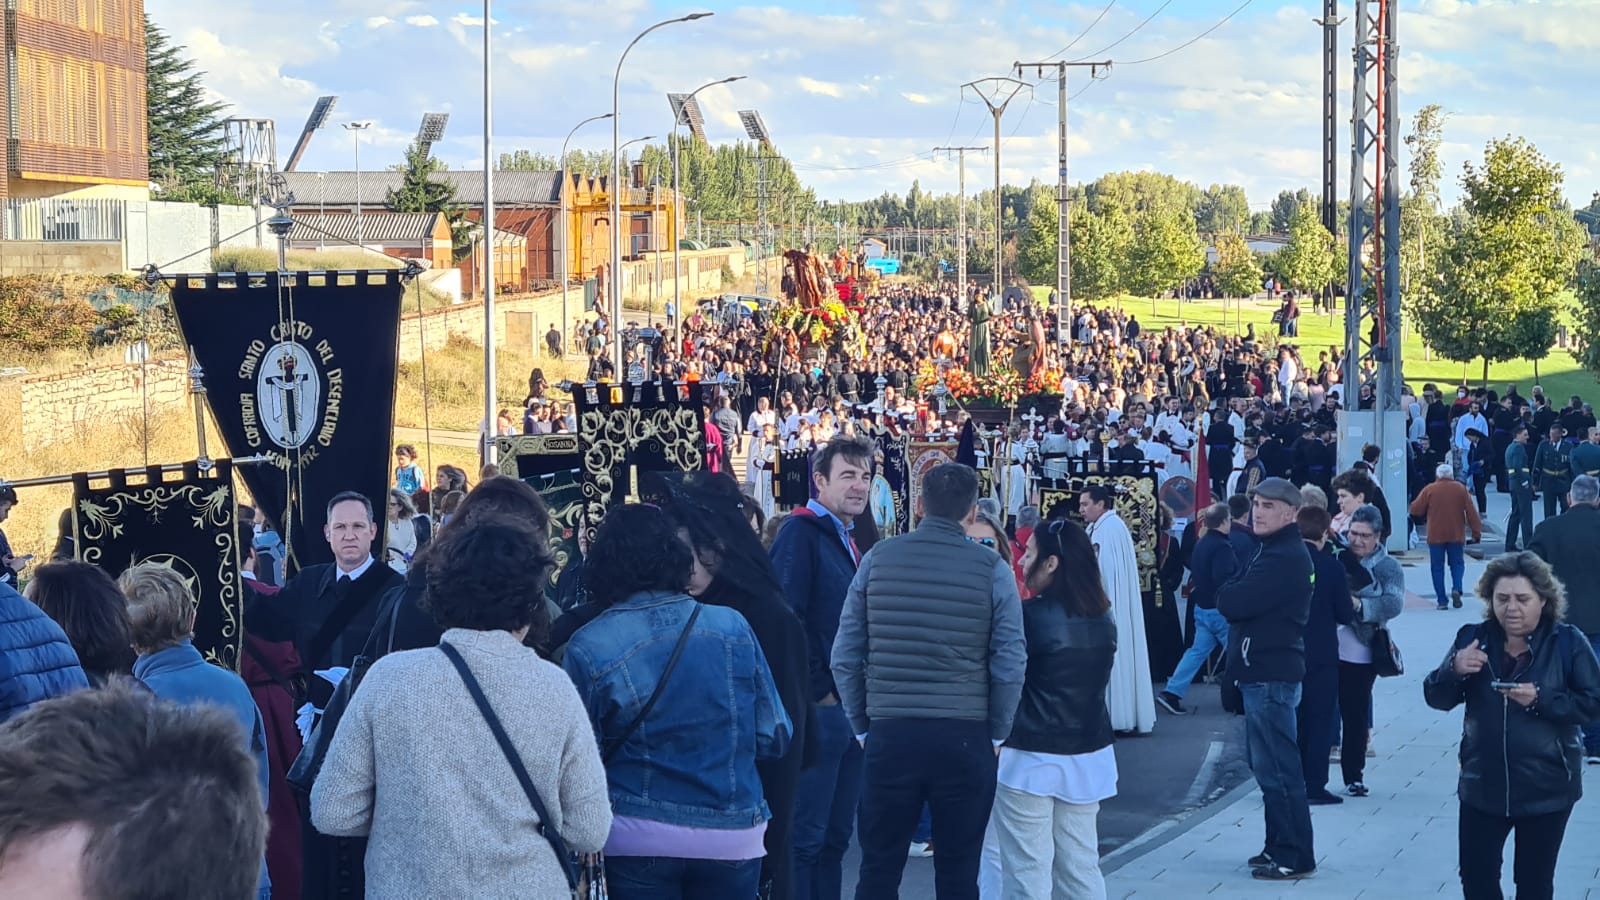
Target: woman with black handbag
682, 704
470, 766
1378, 599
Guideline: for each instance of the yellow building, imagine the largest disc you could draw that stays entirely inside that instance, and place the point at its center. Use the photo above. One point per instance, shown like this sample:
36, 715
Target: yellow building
74, 94
647, 214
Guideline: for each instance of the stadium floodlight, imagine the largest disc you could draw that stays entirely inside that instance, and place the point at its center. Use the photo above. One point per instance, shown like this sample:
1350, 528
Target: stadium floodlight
754, 128
431, 132
318, 118
686, 111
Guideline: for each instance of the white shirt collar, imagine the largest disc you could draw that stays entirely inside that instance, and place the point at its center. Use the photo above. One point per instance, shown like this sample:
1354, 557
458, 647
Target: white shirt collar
356, 573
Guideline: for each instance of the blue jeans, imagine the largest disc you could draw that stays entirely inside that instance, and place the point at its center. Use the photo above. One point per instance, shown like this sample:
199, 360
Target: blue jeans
1274, 754
924, 832
1591, 731
1437, 554
672, 878
1210, 632
825, 808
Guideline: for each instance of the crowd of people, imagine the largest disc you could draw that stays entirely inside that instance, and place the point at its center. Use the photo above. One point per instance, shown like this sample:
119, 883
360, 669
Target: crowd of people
423, 717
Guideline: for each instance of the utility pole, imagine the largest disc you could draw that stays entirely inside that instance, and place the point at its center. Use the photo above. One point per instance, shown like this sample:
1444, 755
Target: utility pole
961, 242
997, 94
1063, 190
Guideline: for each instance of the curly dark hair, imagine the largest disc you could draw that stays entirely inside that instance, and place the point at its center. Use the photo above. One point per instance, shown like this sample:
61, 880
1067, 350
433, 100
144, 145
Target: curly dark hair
636, 549
1356, 483
488, 574
91, 609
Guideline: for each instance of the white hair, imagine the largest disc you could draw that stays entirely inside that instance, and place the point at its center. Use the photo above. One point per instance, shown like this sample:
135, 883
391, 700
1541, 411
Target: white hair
1444, 470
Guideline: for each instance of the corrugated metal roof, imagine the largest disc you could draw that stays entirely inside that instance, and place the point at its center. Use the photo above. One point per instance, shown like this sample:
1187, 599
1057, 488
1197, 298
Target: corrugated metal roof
312, 189
376, 228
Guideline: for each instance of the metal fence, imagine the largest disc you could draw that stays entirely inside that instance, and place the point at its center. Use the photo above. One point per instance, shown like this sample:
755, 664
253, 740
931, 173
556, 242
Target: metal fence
65, 220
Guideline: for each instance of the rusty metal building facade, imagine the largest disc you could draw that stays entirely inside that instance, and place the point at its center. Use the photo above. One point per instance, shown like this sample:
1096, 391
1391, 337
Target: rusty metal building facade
74, 96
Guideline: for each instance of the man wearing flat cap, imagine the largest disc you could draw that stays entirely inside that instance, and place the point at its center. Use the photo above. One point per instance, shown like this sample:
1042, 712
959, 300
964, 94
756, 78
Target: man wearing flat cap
1267, 604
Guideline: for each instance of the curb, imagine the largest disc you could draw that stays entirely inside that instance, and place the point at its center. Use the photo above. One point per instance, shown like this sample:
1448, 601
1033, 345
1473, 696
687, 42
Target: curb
1163, 833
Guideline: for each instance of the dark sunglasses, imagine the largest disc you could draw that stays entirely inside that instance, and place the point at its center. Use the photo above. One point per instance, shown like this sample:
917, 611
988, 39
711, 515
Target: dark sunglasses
987, 542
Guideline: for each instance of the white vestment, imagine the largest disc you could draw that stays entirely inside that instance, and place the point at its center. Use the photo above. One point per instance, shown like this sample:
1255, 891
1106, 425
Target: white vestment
1131, 695
758, 470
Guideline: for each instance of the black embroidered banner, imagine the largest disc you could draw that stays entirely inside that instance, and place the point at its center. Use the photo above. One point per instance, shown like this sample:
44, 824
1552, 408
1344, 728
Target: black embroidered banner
183, 521
626, 430
792, 481
302, 371
890, 498
1134, 487
550, 464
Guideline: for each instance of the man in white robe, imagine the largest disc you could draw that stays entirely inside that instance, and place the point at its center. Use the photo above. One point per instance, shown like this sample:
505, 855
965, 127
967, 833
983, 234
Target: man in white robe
1131, 696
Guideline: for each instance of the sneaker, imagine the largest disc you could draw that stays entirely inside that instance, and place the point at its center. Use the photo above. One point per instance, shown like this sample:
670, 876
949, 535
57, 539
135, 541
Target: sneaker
1172, 703
921, 849
1323, 799
1592, 759
1280, 873
1259, 860
1442, 607
1356, 790
1455, 599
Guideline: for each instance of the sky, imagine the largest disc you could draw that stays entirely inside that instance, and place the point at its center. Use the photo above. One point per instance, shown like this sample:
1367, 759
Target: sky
857, 94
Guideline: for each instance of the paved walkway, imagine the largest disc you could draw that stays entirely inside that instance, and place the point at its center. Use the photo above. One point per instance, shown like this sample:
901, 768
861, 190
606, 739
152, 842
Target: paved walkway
1400, 841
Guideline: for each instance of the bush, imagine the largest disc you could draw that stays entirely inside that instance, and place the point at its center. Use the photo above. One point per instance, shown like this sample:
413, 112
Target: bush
40, 314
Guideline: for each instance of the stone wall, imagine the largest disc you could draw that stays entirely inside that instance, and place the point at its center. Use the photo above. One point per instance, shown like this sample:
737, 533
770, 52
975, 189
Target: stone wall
53, 408
56, 257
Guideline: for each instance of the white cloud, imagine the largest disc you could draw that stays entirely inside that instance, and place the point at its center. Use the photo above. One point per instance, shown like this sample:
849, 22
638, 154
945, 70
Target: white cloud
820, 88
1243, 105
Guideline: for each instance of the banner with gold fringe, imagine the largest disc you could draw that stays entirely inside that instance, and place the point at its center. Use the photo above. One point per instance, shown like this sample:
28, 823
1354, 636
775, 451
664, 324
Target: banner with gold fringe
550, 464
184, 521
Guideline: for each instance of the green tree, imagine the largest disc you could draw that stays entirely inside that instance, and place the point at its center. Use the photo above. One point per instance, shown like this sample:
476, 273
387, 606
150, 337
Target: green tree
1100, 245
1307, 261
1238, 272
1505, 265
420, 192
1037, 252
1165, 252
1420, 221
185, 125
1223, 208
1284, 207
1586, 317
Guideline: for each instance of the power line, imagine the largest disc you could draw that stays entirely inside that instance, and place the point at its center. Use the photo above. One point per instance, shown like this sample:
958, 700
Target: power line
1196, 38
886, 164
1136, 29
1085, 32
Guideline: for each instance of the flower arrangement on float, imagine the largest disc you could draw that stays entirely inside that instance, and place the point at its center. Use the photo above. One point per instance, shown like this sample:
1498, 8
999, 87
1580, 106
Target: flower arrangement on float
815, 324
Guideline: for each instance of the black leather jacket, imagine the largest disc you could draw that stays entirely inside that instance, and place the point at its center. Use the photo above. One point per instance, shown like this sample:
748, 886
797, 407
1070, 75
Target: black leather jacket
1063, 705
1518, 761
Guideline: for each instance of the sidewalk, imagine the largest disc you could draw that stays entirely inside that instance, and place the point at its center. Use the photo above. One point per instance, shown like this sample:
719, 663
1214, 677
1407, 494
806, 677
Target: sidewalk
1398, 842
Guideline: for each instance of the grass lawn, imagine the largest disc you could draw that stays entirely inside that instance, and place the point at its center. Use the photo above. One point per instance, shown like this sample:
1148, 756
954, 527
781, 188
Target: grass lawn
1558, 373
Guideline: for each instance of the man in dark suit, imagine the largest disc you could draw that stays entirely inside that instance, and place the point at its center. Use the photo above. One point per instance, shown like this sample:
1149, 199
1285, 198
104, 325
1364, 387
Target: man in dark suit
327, 611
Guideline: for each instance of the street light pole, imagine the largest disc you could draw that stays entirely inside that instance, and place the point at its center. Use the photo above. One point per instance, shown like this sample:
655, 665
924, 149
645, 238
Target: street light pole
355, 128
677, 205
614, 283
490, 379
566, 231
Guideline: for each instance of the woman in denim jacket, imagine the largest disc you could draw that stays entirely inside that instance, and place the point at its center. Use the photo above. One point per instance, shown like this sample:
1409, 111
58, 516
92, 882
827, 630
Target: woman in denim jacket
689, 813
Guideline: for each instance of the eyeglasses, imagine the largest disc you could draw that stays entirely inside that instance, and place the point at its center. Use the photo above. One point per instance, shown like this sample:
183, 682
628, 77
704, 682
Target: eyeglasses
987, 542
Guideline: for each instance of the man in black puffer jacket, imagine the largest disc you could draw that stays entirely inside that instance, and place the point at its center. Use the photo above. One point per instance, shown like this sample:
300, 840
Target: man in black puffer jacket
1266, 606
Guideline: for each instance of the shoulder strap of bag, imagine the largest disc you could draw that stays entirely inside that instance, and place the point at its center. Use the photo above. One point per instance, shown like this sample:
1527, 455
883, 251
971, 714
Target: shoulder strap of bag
546, 830
655, 695
338, 620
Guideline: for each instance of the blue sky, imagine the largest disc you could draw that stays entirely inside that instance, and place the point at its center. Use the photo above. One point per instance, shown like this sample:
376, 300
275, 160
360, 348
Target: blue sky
857, 93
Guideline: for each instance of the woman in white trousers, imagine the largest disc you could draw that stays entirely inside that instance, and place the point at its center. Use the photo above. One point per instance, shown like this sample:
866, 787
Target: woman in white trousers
1057, 765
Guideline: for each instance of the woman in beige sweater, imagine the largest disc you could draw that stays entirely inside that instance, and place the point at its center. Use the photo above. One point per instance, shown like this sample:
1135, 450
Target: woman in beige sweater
415, 767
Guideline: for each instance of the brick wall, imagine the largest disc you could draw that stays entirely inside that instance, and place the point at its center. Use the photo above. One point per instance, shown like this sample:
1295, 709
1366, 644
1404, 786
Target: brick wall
55, 257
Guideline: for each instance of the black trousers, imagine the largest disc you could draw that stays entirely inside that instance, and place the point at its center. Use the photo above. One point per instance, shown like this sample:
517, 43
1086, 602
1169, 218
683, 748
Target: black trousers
947, 764
1314, 725
1521, 520
1355, 698
1555, 499
1483, 842
1219, 465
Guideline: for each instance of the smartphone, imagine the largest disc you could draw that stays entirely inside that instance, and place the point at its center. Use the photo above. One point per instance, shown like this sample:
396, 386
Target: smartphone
1504, 685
